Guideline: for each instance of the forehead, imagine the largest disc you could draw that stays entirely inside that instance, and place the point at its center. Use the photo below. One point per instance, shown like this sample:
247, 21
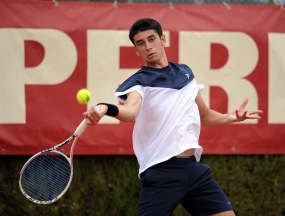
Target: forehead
143, 35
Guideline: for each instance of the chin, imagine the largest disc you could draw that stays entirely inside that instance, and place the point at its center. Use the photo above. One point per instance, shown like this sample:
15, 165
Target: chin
151, 61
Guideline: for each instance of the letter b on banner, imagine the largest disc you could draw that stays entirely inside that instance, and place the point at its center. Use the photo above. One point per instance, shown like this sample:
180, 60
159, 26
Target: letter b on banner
194, 50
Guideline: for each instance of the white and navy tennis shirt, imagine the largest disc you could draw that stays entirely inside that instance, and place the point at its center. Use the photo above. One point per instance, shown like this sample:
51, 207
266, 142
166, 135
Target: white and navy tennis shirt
168, 121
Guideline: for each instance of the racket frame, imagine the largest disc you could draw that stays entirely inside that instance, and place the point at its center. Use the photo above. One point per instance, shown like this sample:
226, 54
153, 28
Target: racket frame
62, 193
79, 130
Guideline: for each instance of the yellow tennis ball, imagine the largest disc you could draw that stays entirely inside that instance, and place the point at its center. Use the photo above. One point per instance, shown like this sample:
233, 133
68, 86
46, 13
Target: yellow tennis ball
83, 96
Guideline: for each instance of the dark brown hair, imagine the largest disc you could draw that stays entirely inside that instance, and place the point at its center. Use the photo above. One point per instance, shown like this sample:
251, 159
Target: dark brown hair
143, 25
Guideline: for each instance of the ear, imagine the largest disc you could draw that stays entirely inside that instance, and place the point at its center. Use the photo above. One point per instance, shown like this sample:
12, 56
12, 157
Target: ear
163, 40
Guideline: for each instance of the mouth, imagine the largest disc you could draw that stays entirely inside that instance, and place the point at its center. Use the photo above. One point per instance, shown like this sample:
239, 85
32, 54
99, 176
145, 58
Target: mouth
151, 55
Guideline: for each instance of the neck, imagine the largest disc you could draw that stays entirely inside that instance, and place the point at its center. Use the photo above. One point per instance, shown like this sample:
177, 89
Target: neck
156, 65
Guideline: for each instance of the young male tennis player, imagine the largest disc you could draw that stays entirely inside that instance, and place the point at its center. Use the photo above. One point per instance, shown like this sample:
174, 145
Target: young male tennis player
164, 99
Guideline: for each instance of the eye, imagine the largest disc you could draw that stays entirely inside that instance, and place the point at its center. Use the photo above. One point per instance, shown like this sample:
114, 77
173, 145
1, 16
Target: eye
140, 43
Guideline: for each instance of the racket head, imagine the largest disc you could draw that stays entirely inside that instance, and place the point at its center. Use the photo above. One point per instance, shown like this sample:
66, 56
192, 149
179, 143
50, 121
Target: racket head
46, 176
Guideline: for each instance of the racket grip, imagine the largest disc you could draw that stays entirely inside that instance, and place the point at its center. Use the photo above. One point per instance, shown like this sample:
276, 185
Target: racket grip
81, 128
83, 125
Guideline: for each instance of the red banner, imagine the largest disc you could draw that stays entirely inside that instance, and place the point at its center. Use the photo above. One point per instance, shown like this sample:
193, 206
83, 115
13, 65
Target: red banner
48, 52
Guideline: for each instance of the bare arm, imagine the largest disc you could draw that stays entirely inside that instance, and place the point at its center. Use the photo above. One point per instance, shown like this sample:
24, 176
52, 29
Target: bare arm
211, 118
130, 109
127, 112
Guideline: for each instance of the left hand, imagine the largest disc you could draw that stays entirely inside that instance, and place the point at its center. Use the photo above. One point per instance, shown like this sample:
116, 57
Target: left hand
240, 114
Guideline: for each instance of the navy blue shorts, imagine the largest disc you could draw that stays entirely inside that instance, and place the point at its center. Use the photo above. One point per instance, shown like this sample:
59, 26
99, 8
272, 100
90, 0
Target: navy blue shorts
180, 180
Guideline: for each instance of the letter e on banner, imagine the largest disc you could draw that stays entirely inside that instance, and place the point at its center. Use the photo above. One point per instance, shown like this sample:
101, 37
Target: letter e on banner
104, 74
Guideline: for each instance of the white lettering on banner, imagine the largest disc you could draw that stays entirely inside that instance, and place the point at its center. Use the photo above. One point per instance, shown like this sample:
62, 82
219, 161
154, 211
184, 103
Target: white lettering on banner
194, 50
276, 78
58, 64
103, 73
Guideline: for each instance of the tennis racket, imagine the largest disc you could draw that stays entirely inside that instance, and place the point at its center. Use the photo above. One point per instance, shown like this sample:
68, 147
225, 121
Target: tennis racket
47, 175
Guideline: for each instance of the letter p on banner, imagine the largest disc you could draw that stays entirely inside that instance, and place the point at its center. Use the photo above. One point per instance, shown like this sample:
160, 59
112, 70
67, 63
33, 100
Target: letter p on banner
57, 65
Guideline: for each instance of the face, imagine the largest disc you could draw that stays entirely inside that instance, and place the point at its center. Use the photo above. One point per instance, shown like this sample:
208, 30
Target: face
150, 47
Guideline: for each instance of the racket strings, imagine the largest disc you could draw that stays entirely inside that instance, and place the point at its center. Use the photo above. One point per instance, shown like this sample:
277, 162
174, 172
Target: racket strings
46, 176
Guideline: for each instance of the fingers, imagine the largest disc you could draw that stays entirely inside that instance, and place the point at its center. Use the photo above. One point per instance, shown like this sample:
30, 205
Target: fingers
241, 117
92, 115
244, 115
244, 103
254, 114
248, 115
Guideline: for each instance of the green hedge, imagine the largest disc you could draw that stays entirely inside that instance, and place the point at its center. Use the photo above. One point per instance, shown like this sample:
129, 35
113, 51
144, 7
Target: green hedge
108, 185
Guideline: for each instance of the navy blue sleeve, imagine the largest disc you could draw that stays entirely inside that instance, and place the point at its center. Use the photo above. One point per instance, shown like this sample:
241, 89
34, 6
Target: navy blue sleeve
133, 80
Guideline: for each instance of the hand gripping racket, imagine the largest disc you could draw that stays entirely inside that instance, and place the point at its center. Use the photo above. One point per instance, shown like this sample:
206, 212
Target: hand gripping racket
47, 175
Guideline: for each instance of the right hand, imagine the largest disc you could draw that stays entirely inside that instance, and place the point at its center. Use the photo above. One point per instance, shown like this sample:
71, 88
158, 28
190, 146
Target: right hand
94, 114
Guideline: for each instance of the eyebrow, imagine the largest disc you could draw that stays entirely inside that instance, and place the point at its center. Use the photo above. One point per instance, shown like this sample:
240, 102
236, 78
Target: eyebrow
147, 38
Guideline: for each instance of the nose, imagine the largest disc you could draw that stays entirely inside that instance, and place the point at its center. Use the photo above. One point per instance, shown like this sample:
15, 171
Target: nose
147, 46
